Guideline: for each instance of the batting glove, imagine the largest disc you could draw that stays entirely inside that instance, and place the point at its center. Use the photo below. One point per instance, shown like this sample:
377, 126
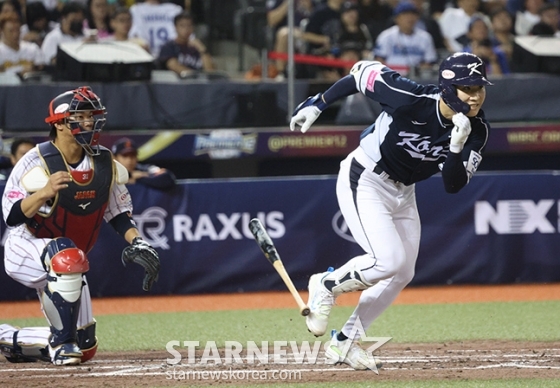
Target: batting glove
459, 133
141, 253
307, 112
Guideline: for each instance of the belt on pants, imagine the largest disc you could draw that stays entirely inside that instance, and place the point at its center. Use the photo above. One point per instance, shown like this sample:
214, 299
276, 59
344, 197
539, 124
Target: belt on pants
379, 171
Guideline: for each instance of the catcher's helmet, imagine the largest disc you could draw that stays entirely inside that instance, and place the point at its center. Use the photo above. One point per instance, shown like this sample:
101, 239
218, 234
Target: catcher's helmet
65, 106
460, 69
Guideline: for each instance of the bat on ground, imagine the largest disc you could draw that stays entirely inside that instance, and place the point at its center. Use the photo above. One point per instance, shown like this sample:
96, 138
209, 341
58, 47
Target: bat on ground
270, 252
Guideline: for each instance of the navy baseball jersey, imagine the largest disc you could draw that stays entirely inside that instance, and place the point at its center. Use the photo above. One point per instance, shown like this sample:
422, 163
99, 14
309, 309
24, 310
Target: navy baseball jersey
410, 138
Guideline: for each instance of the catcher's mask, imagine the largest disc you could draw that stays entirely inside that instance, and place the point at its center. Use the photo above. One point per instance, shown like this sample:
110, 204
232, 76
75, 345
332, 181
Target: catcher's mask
83, 112
460, 69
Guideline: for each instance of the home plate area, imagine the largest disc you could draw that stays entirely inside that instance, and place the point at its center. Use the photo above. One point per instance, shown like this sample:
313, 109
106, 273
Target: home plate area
412, 361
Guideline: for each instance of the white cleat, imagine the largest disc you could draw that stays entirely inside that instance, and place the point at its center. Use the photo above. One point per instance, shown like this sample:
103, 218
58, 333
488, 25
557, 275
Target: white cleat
320, 304
349, 352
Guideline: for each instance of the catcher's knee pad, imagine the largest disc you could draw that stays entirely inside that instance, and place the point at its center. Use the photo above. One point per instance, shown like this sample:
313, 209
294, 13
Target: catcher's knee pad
87, 341
66, 265
347, 278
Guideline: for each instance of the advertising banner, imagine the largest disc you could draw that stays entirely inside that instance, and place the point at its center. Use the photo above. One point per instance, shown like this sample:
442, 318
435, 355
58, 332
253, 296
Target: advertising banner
499, 229
164, 146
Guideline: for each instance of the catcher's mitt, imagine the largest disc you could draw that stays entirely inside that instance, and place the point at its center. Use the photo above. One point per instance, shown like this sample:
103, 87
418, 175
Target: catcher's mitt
140, 252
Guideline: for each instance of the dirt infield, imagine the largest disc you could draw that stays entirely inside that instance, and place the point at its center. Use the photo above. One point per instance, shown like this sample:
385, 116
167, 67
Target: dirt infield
443, 361
436, 362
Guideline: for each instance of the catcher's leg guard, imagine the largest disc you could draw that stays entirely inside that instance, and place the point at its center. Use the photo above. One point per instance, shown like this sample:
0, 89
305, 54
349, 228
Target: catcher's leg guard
87, 341
31, 347
65, 264
349, 277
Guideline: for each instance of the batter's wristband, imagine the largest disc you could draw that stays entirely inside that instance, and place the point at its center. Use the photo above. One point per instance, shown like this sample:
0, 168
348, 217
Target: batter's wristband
456, 148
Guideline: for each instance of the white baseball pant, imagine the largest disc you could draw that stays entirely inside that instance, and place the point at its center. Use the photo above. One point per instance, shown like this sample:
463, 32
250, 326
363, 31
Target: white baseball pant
383, 218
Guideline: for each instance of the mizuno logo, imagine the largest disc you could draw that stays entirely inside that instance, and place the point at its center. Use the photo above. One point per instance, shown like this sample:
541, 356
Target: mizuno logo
84, 205
418, 123
473, 67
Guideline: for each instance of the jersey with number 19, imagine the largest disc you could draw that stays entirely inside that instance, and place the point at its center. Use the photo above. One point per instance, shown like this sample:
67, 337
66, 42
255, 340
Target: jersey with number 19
154, 24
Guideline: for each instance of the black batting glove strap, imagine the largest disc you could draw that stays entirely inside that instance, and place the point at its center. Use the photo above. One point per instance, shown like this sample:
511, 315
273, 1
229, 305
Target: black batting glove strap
141, 253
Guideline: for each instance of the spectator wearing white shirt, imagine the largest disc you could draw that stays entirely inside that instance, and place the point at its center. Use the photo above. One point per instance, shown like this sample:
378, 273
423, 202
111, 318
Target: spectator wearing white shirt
17, 56
404, 44
153, 22
70, 29
454, 22
525, 20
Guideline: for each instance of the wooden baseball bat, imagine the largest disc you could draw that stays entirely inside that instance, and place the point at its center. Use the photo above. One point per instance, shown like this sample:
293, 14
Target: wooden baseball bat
270, 252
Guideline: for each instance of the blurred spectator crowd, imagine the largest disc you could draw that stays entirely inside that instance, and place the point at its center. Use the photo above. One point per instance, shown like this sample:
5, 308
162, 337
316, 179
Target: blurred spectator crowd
32, 30
411, 36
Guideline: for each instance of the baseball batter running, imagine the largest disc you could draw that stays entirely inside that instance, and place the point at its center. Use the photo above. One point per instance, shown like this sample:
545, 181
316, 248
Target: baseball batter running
54, 203
423, 130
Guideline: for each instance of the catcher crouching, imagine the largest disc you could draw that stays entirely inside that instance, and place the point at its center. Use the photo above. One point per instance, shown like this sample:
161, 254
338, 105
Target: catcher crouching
54, 203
